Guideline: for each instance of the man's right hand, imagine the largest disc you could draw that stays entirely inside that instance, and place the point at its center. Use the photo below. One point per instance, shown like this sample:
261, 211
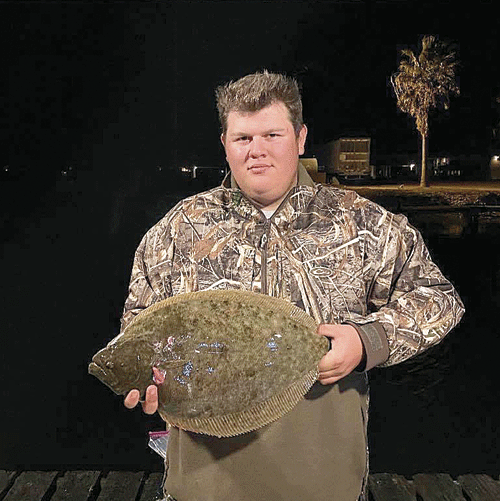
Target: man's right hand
149, 406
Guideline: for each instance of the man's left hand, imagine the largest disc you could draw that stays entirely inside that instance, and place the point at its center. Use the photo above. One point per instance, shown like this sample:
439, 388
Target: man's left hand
345, 355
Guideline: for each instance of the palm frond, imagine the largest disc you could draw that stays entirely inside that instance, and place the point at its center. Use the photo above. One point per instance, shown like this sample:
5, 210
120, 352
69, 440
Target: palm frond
426, 81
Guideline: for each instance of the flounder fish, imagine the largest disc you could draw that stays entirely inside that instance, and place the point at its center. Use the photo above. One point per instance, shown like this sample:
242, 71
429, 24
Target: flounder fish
225, 362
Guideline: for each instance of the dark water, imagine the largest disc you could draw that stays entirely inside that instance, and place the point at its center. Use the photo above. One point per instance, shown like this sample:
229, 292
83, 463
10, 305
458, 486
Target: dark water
439, 411
66, 262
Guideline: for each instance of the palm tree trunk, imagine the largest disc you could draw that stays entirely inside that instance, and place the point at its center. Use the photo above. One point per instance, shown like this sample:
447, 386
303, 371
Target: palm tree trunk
423, 173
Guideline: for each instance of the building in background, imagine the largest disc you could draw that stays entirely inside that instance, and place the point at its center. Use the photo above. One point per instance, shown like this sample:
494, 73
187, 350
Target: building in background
347, 159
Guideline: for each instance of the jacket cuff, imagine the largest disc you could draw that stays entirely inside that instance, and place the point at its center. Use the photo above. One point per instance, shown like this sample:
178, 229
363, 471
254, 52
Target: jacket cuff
375, 343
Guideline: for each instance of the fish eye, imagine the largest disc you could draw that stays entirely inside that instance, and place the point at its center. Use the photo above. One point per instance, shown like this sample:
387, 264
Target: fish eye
109, 364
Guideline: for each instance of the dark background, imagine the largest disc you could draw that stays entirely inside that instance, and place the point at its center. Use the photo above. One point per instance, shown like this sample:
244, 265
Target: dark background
101, 102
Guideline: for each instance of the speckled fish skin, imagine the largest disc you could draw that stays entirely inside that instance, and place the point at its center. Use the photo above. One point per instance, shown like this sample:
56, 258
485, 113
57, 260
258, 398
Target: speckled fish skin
225, 361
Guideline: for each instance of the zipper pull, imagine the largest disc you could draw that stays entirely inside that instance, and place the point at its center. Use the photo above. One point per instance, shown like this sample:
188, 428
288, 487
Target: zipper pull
263, 240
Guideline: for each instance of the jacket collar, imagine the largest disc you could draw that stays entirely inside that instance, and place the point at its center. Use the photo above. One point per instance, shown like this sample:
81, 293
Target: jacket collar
247, 209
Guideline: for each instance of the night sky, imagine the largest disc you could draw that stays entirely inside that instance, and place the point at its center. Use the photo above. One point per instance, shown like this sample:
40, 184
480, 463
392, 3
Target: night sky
135, 80
123, 93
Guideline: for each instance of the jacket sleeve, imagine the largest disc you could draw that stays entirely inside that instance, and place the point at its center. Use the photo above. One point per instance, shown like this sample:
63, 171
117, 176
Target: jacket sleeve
412, 306
140, 291
151, 272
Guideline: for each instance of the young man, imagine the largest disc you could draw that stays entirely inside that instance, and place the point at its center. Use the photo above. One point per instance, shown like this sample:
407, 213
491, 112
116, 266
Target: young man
363, 273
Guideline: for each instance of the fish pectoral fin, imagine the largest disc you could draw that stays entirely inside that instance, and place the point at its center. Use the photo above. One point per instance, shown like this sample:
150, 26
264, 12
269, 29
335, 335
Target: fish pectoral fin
159, 375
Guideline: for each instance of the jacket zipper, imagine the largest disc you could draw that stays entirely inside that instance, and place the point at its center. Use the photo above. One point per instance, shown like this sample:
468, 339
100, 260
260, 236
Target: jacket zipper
263, 243
263, 257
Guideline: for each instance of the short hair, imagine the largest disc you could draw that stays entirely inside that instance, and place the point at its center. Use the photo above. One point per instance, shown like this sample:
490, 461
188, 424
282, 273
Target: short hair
256, 91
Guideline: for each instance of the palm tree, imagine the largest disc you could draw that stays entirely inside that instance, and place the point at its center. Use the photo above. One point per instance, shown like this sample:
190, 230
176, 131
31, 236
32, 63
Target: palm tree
425, 82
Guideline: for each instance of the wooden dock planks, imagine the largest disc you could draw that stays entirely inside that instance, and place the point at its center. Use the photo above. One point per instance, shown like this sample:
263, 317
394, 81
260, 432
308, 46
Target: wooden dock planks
6, 481
76, 486
144, 486
31, 486
391, 487
437, 487
122, 485
152, 487
480, 487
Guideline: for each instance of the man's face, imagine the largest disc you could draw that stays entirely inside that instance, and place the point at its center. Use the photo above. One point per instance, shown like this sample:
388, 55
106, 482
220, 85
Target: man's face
262, 150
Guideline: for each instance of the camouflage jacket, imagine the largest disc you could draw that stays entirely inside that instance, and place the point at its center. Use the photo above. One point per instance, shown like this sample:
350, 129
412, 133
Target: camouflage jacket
342, 259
